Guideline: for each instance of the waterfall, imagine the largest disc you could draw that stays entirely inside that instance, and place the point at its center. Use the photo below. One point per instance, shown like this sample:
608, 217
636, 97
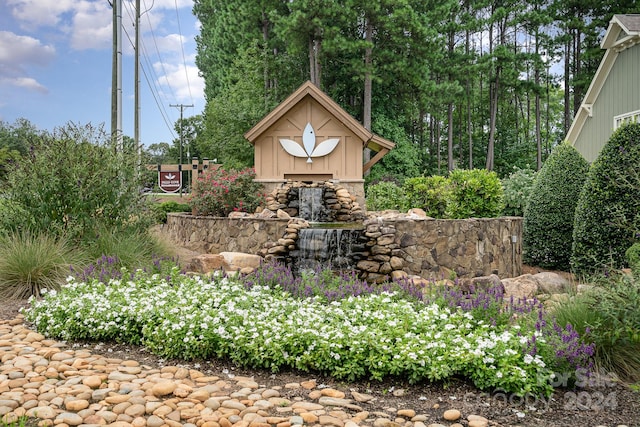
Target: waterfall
334, 248
326, 244
311, 205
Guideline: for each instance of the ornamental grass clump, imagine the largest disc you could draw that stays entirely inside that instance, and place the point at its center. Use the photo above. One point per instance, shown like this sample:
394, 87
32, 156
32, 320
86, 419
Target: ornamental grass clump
32, 263
219, 192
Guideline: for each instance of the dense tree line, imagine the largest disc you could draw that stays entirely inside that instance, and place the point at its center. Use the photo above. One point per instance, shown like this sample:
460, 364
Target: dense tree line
491, 83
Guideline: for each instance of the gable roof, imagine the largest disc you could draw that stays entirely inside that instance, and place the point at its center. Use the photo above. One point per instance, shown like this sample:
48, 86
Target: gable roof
623, 32
309, 89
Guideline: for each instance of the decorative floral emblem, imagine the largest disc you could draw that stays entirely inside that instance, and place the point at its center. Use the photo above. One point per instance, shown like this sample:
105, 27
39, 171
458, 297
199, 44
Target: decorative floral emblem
308, 148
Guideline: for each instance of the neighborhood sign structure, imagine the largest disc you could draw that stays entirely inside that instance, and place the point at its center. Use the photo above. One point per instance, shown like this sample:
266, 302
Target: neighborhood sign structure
170, 182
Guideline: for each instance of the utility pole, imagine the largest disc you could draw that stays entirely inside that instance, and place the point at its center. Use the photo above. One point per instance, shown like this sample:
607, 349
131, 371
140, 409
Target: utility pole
181, 107
116, 76
136, 121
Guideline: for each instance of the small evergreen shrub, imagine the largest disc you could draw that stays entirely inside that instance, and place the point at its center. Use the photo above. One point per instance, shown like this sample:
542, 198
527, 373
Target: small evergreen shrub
517, 190
160, 210
429, 193
608, 209
385, 195
633, 258
475, 193
219, 192
548, 218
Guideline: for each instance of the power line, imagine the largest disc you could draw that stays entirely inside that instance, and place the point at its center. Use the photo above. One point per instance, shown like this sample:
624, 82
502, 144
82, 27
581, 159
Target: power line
184, 61
153, 89
166, 76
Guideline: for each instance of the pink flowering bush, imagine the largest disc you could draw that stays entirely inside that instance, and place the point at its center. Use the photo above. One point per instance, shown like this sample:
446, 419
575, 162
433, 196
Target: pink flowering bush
218, 192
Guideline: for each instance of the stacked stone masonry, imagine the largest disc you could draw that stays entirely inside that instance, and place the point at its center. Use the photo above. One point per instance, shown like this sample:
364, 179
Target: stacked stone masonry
397, 244
391, 245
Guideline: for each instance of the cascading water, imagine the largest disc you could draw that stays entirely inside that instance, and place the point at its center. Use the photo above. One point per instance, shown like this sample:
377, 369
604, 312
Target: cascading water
336, 246
311, 205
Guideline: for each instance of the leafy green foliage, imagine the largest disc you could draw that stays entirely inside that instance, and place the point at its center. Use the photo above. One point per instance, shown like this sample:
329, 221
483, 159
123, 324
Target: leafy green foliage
30, 263
219, 192
382, 335
385, 195
517, 190
72, 183
548, 219
633, 258
400, 163
475, 193
160, 210
241, 104
607, 316
428, 193
132, 248
608, 212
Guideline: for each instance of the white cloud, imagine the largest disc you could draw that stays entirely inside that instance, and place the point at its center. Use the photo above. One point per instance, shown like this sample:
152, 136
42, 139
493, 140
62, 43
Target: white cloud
171, 43
40, 12
167, 4
16, 54
24, 82
20, 49
91, 26
184, 83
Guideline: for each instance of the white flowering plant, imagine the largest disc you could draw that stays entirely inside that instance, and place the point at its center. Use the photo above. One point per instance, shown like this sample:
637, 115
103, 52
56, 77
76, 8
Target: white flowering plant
369, 336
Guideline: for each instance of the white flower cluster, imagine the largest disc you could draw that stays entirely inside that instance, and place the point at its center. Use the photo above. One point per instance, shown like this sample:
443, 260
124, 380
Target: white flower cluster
373, 335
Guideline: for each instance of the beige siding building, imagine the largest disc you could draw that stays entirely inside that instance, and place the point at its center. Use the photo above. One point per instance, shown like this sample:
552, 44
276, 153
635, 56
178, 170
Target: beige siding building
613, 98
308, 137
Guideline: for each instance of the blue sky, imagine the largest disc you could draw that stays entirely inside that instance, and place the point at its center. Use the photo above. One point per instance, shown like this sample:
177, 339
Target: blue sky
55, 64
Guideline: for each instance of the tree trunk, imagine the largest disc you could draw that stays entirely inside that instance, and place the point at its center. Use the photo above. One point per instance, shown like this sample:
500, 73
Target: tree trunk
567, 85
468, 88
366, 113
450, 111
536, 78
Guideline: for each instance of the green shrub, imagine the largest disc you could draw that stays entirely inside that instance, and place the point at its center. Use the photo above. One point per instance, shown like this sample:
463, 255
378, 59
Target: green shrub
633, 258
30, 263
517, 190
608, 210
72, 183
385, 195
427, 193
160, 210
548, 218
219, 192
475, 193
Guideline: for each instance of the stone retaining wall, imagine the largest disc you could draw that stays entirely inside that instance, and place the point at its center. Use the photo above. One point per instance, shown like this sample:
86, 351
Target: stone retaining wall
398, 244
440, 248
213, 235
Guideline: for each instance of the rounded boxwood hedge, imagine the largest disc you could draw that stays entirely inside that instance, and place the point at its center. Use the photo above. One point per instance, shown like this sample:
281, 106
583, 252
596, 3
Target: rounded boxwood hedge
547, 232
608, 208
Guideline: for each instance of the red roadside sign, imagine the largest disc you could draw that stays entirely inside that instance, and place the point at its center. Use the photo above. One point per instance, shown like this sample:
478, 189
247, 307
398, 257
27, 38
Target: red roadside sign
169, 182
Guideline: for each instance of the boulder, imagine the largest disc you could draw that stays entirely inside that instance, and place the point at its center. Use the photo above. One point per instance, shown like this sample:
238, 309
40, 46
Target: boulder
206, 263
417, 213
234, 261
552, 283
525, 286
480, 283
